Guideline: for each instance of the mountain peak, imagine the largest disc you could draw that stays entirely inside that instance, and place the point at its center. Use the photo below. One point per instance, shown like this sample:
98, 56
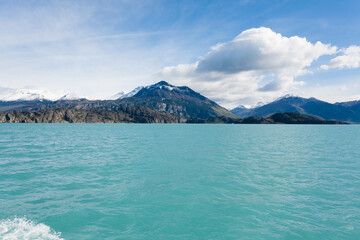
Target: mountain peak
257, 105
122, 94
241, 107
288, 96
163, 83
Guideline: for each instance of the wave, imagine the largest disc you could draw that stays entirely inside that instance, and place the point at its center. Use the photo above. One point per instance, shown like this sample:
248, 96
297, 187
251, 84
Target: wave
23, 229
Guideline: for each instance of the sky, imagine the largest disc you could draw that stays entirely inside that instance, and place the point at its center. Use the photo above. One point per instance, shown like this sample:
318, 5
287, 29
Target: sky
233, 52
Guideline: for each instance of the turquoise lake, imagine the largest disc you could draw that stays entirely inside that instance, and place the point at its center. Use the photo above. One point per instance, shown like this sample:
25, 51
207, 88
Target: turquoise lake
178, 181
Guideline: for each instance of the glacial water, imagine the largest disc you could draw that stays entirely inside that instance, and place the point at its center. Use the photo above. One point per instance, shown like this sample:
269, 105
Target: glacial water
134, 181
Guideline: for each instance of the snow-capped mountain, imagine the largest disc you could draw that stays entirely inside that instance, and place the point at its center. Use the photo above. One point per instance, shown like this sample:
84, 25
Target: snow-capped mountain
286, 96
160, 85
23, 94
73, 96
11, 94
119, 95
242, 110
179, 100
123, 94
245, 111
160, 98
257, 105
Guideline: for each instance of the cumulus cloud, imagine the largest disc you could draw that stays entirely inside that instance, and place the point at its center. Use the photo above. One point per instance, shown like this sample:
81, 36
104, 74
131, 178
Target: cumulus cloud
350, 58
256, 65
262, 49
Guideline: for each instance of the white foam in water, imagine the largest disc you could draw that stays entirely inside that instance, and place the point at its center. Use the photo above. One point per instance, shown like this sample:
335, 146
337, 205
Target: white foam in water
23, 229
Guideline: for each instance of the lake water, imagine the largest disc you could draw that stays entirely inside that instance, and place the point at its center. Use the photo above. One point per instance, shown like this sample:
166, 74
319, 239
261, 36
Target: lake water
134, 181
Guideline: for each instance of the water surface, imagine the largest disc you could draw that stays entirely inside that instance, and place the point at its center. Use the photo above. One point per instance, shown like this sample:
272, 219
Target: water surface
134, 181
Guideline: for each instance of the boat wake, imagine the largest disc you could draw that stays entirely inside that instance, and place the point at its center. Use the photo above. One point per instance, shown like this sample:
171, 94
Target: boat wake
23, 229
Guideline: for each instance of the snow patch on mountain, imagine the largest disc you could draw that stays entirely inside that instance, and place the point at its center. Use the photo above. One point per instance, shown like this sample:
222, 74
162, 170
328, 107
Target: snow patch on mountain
163, 85
73, 96
241, 107
287, 96
123, 94
257, 105
119, 95
250, 107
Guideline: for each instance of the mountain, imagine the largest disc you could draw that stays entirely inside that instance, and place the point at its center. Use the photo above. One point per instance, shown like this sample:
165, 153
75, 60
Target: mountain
119, 95
123, 115
22, 94
305, 106
71, 96
349, 104
123, 94
241, 111
11, 94
182, 101
288, 118
144, 115
353, 105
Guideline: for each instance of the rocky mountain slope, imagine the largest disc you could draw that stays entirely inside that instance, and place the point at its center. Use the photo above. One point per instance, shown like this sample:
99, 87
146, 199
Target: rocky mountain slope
144, 115
123, 115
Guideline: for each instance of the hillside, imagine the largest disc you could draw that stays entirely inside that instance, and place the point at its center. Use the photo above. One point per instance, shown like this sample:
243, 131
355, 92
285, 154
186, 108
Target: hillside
123, 115
287, 118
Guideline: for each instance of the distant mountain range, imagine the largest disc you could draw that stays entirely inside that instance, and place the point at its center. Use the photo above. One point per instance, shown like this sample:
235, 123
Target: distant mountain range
11, 94
344, 111
24, 94
163, 102
176, 104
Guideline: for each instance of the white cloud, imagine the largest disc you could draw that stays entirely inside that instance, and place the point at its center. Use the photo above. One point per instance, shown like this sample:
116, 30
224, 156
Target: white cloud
257, 65
349, 59
264, 50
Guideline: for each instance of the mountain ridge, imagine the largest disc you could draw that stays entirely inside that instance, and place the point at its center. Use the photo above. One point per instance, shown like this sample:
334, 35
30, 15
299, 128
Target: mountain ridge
313, 107
180, 101
187, 105
144, 115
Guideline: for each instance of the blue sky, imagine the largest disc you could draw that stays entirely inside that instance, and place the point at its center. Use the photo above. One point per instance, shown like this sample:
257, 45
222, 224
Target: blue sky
99, 48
